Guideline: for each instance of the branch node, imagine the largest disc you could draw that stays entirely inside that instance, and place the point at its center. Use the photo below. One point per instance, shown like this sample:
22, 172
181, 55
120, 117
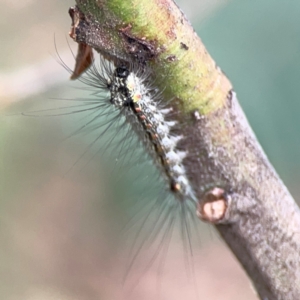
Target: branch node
213, 206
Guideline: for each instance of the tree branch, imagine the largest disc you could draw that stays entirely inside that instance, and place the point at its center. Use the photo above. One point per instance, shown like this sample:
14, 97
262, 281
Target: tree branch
236, 187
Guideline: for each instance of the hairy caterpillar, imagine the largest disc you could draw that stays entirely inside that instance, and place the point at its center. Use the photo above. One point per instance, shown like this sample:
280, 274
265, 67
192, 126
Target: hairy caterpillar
134, 104
126, 101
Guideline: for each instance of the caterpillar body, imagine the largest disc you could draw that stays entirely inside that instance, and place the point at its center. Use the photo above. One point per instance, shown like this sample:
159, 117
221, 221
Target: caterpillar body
130, 94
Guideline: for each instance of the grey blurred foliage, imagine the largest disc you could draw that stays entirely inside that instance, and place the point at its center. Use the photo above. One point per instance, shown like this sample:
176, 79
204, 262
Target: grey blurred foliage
56, 213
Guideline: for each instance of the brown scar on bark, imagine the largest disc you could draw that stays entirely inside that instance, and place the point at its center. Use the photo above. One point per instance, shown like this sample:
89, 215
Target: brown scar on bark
184, 46
213, 206
140, 48
76, 16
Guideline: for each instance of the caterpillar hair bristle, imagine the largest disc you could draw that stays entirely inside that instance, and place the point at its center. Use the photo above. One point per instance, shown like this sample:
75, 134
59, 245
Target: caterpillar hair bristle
125, 99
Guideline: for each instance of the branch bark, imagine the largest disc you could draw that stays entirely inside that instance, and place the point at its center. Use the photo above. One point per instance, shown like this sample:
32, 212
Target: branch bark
236, 186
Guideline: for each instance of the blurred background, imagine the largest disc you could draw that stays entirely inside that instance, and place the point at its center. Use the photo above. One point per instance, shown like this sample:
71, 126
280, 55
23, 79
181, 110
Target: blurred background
64, 204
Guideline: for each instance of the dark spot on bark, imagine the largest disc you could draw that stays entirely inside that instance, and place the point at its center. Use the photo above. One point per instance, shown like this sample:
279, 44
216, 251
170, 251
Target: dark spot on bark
140, 48
172, 58
184, 46
229, 98
196, 115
